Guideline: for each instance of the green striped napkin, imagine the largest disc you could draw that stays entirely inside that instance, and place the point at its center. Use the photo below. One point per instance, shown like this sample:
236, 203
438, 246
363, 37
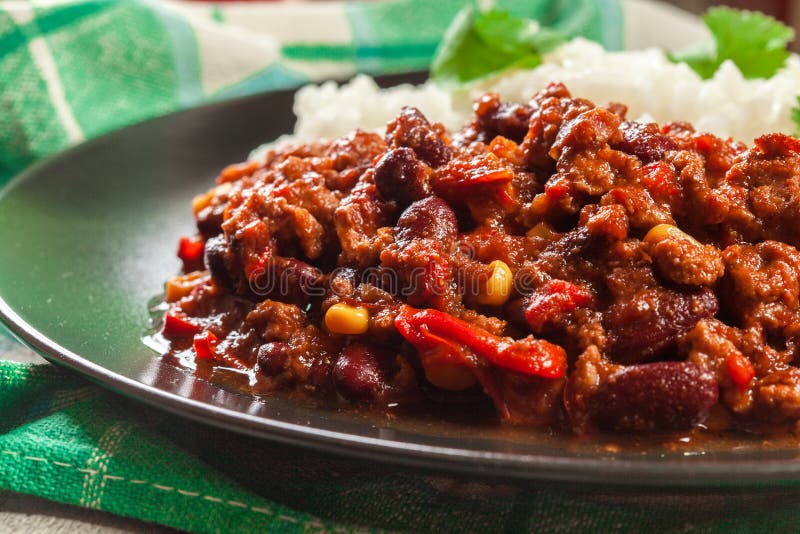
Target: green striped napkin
72, 70
65, 440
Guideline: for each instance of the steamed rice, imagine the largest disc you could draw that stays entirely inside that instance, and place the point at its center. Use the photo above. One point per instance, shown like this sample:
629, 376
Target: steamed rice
653, 89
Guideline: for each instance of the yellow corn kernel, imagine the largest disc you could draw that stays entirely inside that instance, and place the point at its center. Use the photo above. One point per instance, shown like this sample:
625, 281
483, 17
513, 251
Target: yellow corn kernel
448, 376
541, 230
540, 204
660, 232
179, 286
498, 285
342, 318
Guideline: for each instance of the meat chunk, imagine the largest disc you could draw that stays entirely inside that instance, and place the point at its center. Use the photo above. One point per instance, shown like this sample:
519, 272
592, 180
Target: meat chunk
358, 220
777, 396
762, 285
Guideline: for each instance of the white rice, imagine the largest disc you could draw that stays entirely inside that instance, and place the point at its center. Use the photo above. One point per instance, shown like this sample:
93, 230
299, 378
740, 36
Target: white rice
653, 89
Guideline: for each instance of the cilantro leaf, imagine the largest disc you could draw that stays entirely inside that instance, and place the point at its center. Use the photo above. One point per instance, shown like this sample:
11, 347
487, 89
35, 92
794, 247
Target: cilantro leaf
481, 43
755, 42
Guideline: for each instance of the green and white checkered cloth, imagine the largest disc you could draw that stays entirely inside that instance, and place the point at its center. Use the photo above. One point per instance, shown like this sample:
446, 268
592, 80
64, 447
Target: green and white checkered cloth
72, 70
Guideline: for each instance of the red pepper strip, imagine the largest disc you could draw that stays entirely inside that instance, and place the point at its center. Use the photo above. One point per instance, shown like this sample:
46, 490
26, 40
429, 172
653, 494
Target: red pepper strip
740, 369
177, 326
553, 300
427, 329
190, 250
205, 345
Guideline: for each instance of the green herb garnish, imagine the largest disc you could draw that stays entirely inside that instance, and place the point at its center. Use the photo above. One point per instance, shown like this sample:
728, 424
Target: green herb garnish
481, 43
755, 42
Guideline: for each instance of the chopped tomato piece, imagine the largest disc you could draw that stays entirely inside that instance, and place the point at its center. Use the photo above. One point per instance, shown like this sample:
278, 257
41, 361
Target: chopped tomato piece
557, 188
459, 178
553, 301
740, 369
177, 326
205, 345
659, 178
190, 250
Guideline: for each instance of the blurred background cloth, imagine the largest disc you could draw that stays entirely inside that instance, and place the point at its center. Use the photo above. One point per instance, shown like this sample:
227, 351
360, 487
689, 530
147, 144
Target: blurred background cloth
70, 71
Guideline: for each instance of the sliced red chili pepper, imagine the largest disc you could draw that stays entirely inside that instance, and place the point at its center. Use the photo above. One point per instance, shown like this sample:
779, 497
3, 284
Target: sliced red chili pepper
429, 329
177, 326
205, 345
740, 369
554, 300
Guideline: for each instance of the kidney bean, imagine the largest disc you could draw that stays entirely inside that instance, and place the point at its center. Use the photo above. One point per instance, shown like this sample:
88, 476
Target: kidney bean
319, 375
362, 371
209, 219
411, 129
429, 218
502, 118
272, 358
401, 177
644, 326
215, 261
660, 396
645, 141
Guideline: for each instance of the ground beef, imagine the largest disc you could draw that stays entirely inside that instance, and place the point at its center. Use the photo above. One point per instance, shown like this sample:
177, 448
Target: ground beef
579, 270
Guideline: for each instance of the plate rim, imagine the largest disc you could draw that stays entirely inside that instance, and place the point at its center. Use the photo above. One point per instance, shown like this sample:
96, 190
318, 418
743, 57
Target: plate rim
533, 467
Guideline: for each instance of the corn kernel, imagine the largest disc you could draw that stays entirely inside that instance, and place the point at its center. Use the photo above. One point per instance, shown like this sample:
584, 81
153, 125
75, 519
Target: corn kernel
541, 230
450, 377
498, 285
660, 232
342, 318
179, 286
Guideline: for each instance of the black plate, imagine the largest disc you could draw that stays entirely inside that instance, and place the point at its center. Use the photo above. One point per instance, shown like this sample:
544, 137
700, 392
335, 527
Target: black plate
88, 237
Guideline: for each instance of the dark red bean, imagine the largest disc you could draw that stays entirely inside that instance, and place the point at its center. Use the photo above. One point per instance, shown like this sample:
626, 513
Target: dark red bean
643, 327
210, 218
429, 218
411, 129
661, 396
272, 358
645, 141
502, 118
401, 177
362, 371
215, 260
319, 375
